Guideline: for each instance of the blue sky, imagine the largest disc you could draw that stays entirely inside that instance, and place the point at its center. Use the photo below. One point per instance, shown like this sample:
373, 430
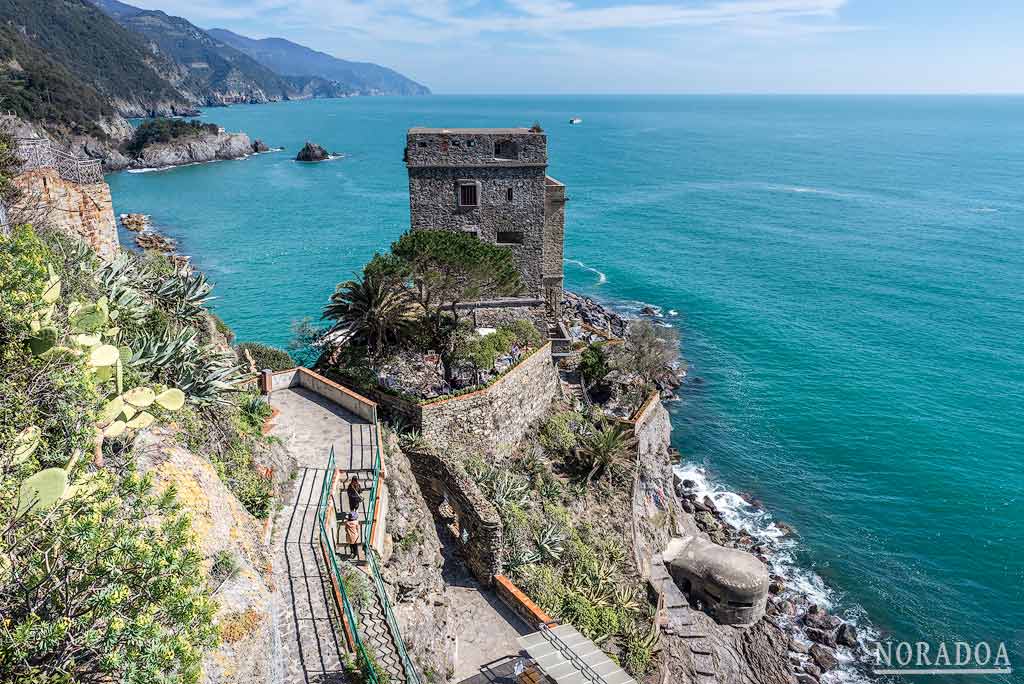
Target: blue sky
653, 46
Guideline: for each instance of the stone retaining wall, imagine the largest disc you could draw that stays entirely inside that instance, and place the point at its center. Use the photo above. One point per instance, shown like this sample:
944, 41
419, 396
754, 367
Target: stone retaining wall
498, 415
442, 479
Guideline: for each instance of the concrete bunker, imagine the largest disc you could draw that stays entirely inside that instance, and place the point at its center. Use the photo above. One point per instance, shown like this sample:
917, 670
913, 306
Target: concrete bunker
731, 584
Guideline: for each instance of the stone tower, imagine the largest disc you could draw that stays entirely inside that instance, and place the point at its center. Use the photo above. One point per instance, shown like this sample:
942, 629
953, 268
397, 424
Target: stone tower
492, 182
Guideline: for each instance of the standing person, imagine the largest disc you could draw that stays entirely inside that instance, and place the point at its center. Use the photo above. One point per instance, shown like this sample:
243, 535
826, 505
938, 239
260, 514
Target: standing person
352, 535
355, 494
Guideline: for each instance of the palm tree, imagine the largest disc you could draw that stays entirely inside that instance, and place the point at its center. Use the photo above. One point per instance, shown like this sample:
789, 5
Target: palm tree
373, 311
605, 447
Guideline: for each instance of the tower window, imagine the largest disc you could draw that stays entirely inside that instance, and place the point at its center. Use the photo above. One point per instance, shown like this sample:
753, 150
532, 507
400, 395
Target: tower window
469, 194
505, 149
510, 237
508, 194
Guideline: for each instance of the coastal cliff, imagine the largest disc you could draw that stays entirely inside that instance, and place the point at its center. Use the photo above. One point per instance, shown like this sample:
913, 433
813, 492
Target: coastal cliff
230, 541
751, 655
85, 210
192, 150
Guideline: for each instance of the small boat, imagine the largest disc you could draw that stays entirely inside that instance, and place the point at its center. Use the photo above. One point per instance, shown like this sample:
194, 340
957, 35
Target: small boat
575, 120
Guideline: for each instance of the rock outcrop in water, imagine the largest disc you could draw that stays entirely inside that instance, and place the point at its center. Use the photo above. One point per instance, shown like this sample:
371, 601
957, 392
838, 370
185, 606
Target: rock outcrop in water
311, 152
192, 150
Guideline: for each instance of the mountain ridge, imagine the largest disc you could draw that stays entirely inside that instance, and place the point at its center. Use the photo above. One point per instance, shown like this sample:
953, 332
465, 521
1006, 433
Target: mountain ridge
287, 57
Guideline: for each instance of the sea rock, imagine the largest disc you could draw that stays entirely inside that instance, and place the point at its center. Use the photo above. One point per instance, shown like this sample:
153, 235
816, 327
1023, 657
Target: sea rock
155, 241
311, 152
847, 635
804, 678
798, 646
818, 618
825, 657
134, 222
820, 636
259, 146
649, 311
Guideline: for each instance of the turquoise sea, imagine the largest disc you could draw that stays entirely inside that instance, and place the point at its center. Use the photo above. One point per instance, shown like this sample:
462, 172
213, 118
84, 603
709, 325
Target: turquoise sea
848, 279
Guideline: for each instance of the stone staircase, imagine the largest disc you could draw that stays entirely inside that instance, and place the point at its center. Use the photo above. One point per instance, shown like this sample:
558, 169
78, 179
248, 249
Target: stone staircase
373, 626
572, 386
680, 620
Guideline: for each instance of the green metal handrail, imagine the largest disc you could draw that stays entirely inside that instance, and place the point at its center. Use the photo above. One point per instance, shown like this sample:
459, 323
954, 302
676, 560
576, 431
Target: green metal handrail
327, 540
411, 676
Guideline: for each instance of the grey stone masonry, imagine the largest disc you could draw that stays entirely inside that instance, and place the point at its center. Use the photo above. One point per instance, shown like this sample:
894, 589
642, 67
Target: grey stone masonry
492, 182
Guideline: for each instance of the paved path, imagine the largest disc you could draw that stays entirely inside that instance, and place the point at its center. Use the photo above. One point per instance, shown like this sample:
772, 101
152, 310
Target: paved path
488, 631
308, 629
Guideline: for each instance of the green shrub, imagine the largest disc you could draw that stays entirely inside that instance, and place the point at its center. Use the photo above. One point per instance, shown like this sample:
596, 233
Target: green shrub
73, 609
265, 356
23, 259
594, 364
544, 584
560, 433
223, 328
165, 130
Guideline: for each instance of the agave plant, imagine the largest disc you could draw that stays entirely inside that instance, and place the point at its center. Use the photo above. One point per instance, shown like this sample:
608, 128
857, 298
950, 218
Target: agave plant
184, 293
508, 488
517, 557
550, 541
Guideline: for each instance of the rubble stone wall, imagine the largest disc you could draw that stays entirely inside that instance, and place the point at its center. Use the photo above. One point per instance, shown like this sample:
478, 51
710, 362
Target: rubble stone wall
496, 416
443, 480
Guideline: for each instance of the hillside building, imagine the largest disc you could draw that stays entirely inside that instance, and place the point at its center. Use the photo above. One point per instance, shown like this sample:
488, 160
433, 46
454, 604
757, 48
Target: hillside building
493, 183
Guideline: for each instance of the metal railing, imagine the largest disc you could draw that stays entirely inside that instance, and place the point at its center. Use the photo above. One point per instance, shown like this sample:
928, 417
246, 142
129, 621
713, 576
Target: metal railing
327, 543
411, 675
40, 153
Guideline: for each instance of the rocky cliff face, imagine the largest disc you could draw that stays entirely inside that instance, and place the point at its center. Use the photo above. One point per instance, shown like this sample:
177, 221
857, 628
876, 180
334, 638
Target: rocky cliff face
413, 570
204, 148
740, 655
83, 210
222, 528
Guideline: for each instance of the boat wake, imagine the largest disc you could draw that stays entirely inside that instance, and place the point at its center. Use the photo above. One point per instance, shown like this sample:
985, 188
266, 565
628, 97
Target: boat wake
601, 277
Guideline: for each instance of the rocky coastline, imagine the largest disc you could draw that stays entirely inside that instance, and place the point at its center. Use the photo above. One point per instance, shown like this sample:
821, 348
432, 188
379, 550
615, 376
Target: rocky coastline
197, 149
816, 642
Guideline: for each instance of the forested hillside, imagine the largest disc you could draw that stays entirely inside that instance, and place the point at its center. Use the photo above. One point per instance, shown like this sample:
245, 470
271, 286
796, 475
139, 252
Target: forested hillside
286, 57
66, 62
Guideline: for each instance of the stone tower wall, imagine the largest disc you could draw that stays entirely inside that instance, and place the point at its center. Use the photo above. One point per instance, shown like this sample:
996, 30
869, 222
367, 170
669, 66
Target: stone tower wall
434, 205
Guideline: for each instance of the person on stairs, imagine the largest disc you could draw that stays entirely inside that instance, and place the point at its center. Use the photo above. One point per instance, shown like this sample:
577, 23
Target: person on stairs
355, 494
352, 535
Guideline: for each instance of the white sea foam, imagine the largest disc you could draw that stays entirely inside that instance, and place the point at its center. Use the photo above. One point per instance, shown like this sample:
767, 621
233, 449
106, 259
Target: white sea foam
601, 277
781, 550
673, 313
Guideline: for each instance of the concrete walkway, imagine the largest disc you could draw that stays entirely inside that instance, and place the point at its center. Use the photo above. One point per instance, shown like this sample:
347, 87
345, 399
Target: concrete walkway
487, 629
308, 629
